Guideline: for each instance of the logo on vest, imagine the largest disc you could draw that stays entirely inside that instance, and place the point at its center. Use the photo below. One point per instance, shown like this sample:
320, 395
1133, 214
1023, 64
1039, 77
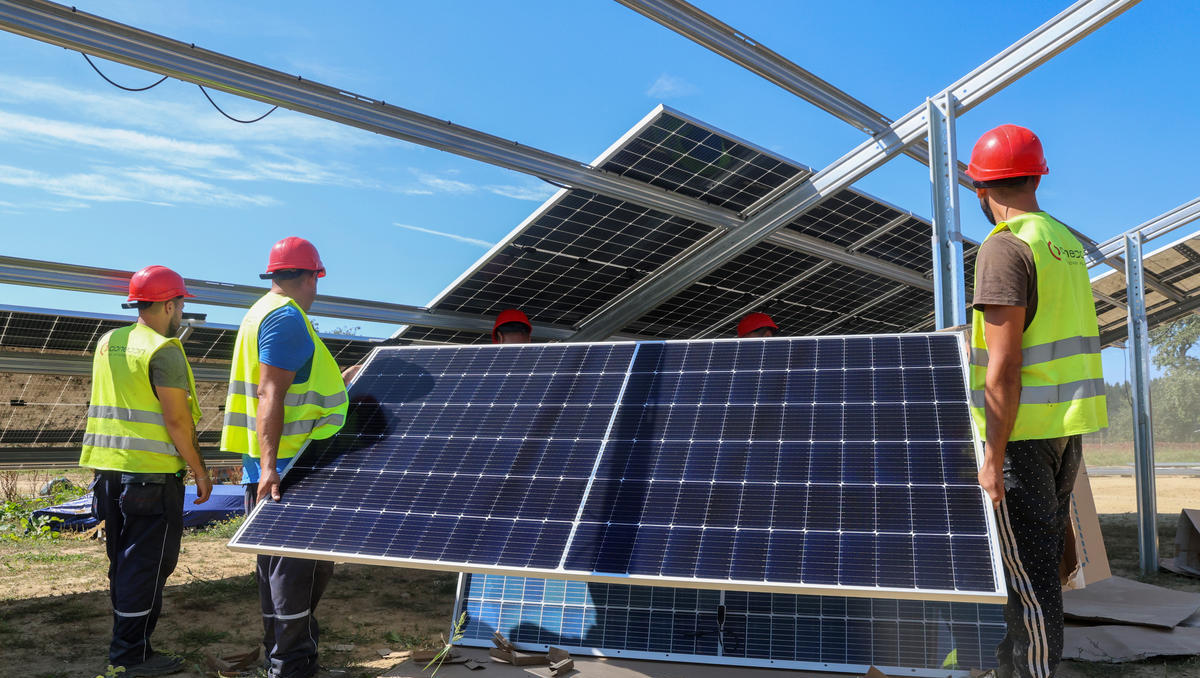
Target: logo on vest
1054, 250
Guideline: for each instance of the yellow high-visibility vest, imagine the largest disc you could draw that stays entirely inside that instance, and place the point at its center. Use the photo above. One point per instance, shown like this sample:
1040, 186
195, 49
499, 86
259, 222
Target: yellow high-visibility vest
125, 427
1062, 385
312, 409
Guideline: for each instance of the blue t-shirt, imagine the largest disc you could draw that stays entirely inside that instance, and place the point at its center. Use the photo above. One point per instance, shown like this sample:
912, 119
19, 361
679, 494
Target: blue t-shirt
283, 342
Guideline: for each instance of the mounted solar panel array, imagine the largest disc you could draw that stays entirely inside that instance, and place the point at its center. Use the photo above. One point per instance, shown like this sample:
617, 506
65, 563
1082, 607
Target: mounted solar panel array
900, 637
581, 250
782, 465
1175, 269
42, 415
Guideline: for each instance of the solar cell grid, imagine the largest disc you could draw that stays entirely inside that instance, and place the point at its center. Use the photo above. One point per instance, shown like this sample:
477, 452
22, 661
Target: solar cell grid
782, 630
682, 156
782, 463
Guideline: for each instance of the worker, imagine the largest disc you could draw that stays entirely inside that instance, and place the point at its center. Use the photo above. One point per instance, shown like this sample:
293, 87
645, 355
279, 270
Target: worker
756, 326
141, 434
512, 327
285, 389
1036, 386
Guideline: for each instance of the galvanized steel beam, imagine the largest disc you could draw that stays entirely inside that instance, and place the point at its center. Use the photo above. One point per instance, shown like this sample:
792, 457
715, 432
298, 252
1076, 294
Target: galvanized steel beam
66, 27
22, 362
1047, 40
33, 272
708, 31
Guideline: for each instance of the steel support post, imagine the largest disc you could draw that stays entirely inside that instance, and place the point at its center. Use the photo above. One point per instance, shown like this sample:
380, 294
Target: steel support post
949, 287
1139, 380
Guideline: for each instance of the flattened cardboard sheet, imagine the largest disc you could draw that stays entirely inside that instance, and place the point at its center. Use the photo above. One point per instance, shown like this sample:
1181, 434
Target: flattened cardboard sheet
1115, 644
1126, 601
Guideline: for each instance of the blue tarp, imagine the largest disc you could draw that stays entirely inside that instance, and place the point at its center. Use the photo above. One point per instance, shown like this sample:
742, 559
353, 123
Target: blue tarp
225, 503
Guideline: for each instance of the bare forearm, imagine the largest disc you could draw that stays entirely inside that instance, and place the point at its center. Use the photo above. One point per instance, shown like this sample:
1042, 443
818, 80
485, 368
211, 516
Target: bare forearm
1002, 396
183, 434
269, 427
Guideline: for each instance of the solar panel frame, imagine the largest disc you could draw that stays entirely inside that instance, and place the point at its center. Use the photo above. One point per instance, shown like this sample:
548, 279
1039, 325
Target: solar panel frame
997, 592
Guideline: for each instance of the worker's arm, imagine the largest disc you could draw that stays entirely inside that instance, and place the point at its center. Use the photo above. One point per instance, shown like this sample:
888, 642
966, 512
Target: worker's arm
273, 383
177, 416
349, 372
1002, 330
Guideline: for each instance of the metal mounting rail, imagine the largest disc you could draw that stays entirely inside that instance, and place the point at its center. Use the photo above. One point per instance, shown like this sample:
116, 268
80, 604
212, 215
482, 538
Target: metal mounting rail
1028, 53
16, 271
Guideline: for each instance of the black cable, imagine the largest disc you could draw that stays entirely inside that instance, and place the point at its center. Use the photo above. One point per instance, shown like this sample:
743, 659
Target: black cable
109, 80
244, 122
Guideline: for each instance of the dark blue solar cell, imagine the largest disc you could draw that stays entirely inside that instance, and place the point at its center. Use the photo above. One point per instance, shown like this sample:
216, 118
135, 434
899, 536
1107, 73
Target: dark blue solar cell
824, 507
715, 556
787, 553
762, 461
933, 561
958, 460
724, 501
966, 511
794, 459
749, 555
858, 508
698, 357
733, 458
791, 507
972, 564
858, 560
829, 422
682, 550
929, 510
829, 386
758, 502
798, 421
820, 561
701, 462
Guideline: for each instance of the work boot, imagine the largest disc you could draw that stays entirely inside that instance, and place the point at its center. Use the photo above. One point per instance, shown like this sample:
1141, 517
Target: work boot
157, 665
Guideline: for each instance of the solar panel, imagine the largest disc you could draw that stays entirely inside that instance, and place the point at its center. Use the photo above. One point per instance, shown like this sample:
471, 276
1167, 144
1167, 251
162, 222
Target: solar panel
581, 250
832, 633
1175, 267
788, 464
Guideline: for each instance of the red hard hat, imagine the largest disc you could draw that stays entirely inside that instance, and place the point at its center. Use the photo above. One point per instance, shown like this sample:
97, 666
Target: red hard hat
1007, 151
156, 283
511, 315
294, 253
755, 321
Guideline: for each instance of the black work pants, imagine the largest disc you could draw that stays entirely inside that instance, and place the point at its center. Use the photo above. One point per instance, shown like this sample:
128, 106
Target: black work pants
143, 523
1039, 476
289, 590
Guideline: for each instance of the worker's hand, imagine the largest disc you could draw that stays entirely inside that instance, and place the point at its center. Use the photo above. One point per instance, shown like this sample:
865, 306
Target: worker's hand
203, 486
268, 484
991, 479
349, 372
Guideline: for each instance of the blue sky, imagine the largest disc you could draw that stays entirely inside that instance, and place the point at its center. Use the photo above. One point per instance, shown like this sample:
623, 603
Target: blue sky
93, 175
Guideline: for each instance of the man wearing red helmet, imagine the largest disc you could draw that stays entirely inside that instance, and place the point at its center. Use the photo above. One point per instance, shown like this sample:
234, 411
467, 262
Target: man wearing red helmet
1036, 386
285, 389
141, 432
756, 326
512, 327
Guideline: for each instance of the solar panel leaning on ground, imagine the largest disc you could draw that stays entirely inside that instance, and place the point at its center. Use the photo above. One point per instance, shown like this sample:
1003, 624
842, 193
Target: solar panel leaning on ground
830, 465
580, 250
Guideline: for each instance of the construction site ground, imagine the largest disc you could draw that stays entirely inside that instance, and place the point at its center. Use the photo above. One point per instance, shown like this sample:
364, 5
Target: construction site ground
55, 614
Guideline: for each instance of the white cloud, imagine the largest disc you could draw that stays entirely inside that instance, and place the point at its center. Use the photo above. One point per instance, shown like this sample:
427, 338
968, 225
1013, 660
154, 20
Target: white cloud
146, 185
536, 192
670, 86
22, 127
453, 236
445, 185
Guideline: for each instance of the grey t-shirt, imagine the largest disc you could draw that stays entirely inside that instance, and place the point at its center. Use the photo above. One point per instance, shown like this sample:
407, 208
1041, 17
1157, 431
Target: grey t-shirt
1005, 274
168, 368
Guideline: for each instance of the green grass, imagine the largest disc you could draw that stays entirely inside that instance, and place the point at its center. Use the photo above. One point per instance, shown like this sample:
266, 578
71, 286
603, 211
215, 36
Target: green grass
199, 637
221, 530
33, 557
201, 594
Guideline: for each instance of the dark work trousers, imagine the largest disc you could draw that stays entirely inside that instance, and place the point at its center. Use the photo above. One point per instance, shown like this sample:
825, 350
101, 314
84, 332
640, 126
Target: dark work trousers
289, 589
1039, 476
143, 523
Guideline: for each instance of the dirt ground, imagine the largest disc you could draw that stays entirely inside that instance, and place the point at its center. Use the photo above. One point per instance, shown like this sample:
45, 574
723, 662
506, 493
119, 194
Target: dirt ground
54, 609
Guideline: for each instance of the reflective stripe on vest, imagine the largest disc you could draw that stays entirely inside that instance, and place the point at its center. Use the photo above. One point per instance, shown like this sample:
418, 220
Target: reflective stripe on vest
1062, 385
312, 409
328, 402
125, 426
